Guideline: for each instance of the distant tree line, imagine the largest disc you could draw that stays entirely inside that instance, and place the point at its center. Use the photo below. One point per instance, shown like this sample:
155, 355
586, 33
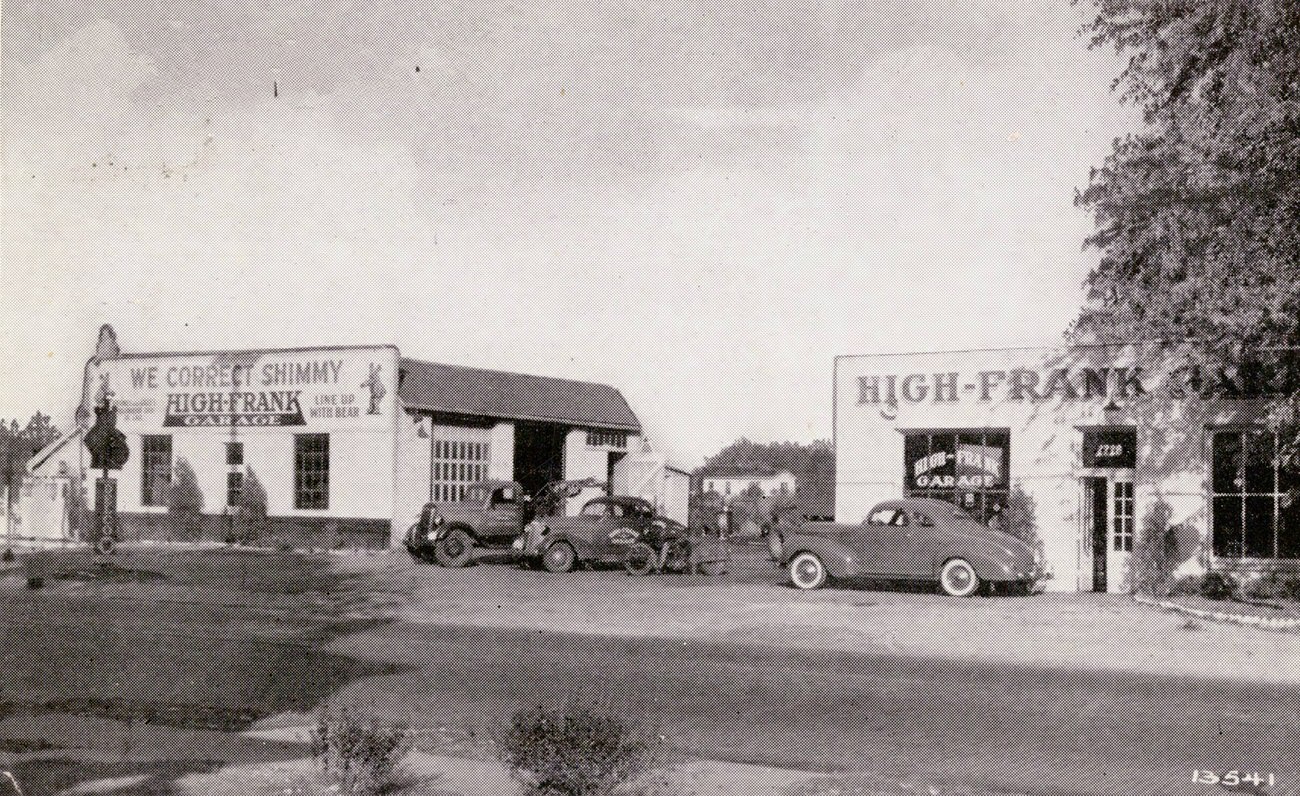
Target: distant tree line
18, 444
812, 465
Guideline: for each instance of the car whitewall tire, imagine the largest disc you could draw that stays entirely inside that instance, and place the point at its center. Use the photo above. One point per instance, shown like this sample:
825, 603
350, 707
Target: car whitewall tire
559, 557
958, 578
807, 571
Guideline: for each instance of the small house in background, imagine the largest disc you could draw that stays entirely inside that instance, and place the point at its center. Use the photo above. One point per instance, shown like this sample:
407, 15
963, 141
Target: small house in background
647, 473
731, 481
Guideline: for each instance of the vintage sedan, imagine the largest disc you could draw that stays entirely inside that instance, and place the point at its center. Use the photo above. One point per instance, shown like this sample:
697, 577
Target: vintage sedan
909, 539
601, 532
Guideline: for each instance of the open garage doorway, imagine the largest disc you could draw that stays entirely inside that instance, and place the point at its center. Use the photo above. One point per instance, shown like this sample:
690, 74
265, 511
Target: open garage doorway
539, 454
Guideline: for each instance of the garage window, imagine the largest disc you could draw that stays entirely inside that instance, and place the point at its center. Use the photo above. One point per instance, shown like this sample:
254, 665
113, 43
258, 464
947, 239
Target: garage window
311, 471
1253, 516
969, 469
156, 469
456, 464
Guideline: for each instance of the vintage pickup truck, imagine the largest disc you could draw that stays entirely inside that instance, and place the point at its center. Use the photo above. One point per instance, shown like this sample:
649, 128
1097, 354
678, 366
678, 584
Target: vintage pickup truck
490, 515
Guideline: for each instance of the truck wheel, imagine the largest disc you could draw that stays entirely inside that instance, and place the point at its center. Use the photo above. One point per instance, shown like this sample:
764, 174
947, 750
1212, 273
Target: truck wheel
559, 557
454, 550
641, 559
677, 556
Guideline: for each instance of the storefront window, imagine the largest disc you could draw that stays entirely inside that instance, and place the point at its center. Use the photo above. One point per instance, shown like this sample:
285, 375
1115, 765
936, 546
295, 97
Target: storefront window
1253, 516
156, 469
968, 468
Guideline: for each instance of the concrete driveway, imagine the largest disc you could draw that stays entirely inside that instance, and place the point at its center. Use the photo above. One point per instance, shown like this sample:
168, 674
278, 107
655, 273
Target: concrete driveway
752, 605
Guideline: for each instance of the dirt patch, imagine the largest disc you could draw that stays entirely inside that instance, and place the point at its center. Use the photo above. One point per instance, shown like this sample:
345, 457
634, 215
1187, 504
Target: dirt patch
105, 571
54, 775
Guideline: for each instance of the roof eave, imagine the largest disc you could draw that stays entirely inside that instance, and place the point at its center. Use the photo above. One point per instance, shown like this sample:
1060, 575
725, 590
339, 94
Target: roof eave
635, 428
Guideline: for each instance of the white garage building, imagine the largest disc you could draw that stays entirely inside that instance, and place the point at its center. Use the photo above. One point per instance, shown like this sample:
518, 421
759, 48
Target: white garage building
1100, 437
348, 441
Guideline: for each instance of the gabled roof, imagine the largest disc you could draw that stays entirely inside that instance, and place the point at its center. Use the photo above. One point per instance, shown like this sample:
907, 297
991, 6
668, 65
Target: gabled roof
453, 389
42, 456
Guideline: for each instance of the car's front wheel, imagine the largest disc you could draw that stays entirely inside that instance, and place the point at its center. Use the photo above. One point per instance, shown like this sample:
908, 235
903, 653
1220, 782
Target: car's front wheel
641, 559
559, 557
807, 571
958, 578
454, 550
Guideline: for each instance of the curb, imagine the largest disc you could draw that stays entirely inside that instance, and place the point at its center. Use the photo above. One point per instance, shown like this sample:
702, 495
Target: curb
1264, 622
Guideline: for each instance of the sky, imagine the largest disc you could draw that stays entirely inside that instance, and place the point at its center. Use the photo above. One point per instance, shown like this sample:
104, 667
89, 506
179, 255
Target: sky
700, 203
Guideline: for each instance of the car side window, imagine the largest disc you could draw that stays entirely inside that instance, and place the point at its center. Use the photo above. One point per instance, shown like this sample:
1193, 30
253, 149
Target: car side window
615, 510
882, 517
594, 510
900, 518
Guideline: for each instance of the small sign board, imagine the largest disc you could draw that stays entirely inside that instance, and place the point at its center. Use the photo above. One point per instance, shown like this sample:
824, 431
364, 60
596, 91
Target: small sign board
1113, 448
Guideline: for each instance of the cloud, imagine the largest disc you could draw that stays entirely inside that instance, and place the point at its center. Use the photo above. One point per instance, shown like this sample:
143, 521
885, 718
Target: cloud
700, 203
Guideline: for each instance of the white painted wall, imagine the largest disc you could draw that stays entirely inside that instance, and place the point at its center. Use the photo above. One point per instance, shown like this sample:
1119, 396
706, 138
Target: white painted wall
502, 442
334, 400
411, 484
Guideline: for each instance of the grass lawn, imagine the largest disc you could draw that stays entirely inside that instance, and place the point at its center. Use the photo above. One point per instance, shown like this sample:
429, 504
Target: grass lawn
203, 641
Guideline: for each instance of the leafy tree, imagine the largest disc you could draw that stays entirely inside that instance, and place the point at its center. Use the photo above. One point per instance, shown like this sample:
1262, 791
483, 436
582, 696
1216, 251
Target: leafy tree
185, 501
1198, 213
252, 509
19, 444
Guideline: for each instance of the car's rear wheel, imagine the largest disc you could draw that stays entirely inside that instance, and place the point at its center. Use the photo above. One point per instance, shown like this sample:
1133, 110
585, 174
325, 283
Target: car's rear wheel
807, 571
454, 550
641, 559
559, 557
958, 578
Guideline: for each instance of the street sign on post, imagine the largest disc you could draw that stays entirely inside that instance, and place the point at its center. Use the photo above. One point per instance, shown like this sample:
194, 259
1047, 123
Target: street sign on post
108, 449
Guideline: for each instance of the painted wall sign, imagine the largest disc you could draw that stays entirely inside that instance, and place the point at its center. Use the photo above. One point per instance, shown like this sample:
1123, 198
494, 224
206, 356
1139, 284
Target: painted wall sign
267, 389
1020, 384
1055, 384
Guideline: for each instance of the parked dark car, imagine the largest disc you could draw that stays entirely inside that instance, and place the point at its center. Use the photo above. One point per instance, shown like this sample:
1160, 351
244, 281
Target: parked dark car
909, 539
491, 515
601, 532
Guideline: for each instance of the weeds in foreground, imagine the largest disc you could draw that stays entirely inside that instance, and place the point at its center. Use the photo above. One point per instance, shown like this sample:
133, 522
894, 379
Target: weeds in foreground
360, 756
579, 750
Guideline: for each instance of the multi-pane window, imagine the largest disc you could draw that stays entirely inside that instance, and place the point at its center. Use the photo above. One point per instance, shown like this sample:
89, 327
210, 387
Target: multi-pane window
607, 439
1123, 513
234, 453
311, 471
1252, 515
967, 468
234, 488
456, 464
156, 469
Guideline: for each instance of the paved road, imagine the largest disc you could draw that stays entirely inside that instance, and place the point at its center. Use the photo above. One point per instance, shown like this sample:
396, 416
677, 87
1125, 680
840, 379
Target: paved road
1002, 728
987, 725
